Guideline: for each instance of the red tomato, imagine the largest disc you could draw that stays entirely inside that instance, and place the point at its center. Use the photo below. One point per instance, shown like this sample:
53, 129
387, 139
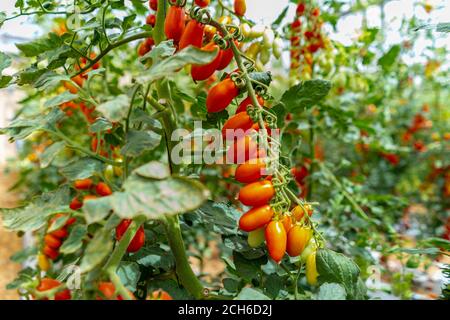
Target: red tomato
300, 174
174, 23
151, 20
52, 241
50, 252
76, 204
60, 233
248, 101
244, 149
48, 283
240, 7
202, 3
108, 291
192, 35
138, 240
227, 56
103, 189
221, 95
153, 4
276, 240
257, 193
84, 184
250, 171
300, 9
143, 49
203, 72
255, 218
240, 120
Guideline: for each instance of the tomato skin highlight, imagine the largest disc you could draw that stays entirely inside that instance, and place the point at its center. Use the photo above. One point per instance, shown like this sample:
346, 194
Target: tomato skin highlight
250, 171
138, 240
255, 218
103, 189
240, 7
297, 240
203, 72
257, 193
248, 101
221, 95
276, 239
174, 24
84, 184
192, 35
240, 120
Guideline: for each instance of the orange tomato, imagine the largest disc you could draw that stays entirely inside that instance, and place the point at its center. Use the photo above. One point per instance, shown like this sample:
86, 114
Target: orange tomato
298, 212
221, 95
297, 240
103, 189
174, 23
287, 222
52, 241
250, 171
240, 7
202, 3
257, 193
276, 240
60, 233
161, 295
192, 35
240, 120
244, 148
48, 284
203, 72
84, 184
255, 218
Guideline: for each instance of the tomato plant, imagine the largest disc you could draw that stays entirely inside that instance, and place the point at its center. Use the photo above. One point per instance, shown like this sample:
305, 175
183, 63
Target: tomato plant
162, 135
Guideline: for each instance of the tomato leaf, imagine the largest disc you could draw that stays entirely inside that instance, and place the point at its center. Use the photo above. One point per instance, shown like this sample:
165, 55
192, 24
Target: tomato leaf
75, 240
82, 168
153, 170
35, 214
155, 257
97, 209
59, 99
100, 125
39, 46
115, 109
331, 291
5, 61
389, 58
97, 250
305, 95
139, 142
335, 267
248, 269
50, 153
220, 216
251, 294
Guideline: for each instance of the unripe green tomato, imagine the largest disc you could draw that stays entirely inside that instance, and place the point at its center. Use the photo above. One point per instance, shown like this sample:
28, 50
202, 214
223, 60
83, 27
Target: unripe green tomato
256, 238
277, 47
264, 55
253, 50
268, 37
246, 30
256, 31
109, 172
413, 262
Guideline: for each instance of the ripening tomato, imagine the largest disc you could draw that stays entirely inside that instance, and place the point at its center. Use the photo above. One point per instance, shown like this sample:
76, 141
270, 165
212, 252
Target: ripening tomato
150, 20
240, 120
244, 149
315, 12
76, 204
256, 237
287, 223
174, 23
300, 9
84, 184
192, 35
255, 218
138, 240
203, 72
240, 7
298, 212
300, 173
297, 240
52, 241
108, 291
202, 3
48, 284
250, 171
143, 49
103, 189
248, 102
43, 262
276, 239
311, 269
221, 95
161, 295
50, 252
257, 193
153, 4
296, 24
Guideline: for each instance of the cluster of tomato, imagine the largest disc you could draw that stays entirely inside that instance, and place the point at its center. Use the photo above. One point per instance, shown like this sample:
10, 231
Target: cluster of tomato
147, 45
419, 122
306, 40
300, 174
